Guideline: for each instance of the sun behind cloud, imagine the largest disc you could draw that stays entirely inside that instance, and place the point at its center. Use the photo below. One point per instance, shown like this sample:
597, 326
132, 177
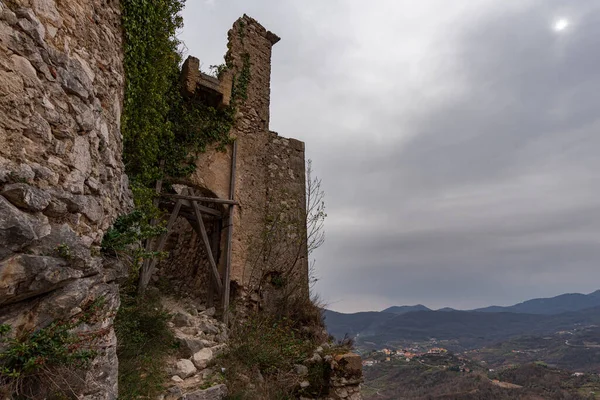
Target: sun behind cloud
560, 25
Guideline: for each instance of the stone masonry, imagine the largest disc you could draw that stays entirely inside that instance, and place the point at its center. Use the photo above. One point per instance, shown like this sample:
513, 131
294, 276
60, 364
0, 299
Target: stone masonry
270, 176
61, 176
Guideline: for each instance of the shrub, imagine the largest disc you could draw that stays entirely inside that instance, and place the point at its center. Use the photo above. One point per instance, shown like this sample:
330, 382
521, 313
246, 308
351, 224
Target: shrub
268, 344
144, 341
268, 347
46, 361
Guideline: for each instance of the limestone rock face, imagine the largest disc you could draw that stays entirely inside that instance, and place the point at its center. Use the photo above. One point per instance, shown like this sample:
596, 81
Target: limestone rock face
28, 197
61, 179
18, 229
26, 276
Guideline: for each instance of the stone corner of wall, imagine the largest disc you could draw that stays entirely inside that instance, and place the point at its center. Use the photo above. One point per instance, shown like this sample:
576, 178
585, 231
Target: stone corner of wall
295, 144
252, 24
346, 376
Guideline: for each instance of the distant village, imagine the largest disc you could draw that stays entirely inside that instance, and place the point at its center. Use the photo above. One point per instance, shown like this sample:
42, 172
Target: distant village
418, 352
407, 354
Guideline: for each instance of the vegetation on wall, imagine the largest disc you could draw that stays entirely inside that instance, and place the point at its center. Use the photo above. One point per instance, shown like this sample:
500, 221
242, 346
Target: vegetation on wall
151, 66
158, 123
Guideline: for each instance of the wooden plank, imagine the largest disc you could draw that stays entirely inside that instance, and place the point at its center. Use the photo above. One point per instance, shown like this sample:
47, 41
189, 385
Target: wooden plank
147, 273
213, 265
226, 277
198, 198
215, 240
192, 217
204, 209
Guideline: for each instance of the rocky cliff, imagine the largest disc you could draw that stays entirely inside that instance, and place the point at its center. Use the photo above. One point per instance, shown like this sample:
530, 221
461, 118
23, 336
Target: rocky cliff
61, 175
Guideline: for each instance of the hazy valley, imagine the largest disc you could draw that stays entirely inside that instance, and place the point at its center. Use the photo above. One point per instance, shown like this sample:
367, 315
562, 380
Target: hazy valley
549, 348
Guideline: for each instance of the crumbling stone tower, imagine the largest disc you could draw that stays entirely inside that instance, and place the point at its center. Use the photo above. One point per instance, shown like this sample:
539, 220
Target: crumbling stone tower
268, 239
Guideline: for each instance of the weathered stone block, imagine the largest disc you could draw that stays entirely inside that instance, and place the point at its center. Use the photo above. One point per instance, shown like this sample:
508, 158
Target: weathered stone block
202, 358
218, 392
181, 319
18, 229
24, 276
189, 345
185, 368
350, 364
26, 196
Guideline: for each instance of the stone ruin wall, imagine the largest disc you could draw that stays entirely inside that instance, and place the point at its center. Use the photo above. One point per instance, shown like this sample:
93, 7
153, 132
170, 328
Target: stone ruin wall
270, 175
61, 174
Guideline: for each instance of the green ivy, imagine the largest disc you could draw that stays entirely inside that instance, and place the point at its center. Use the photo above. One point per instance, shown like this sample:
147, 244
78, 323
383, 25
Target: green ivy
151, 67
242, 80
158, 122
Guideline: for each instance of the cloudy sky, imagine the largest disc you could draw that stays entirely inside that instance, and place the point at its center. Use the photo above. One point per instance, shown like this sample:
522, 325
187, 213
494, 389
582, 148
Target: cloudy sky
458, 141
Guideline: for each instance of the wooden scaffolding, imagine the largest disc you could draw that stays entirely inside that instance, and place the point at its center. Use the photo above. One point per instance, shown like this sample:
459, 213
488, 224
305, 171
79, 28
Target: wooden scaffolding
195, 209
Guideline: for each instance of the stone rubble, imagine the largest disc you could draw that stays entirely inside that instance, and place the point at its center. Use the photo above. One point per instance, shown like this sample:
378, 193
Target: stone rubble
201, 338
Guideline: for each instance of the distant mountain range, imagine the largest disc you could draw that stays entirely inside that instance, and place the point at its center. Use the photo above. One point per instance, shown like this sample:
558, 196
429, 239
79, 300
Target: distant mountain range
553, 305
472, 328
406, 309
546, 306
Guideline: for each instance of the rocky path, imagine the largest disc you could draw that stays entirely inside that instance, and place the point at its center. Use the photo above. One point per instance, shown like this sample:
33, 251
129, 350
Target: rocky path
201, 338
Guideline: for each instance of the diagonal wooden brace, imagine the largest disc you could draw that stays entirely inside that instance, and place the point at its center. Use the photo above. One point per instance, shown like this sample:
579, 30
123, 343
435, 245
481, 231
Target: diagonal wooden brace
213, 265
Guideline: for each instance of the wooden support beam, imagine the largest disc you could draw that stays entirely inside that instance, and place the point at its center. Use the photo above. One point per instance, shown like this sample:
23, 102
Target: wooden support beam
226, 277
147, 270
213, 265
204, 209
187, 214
204, 199
214, 244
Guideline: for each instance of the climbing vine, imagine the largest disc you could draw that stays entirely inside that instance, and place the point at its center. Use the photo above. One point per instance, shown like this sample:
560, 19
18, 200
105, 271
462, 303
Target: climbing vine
158, 122
151, 61
240, 87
